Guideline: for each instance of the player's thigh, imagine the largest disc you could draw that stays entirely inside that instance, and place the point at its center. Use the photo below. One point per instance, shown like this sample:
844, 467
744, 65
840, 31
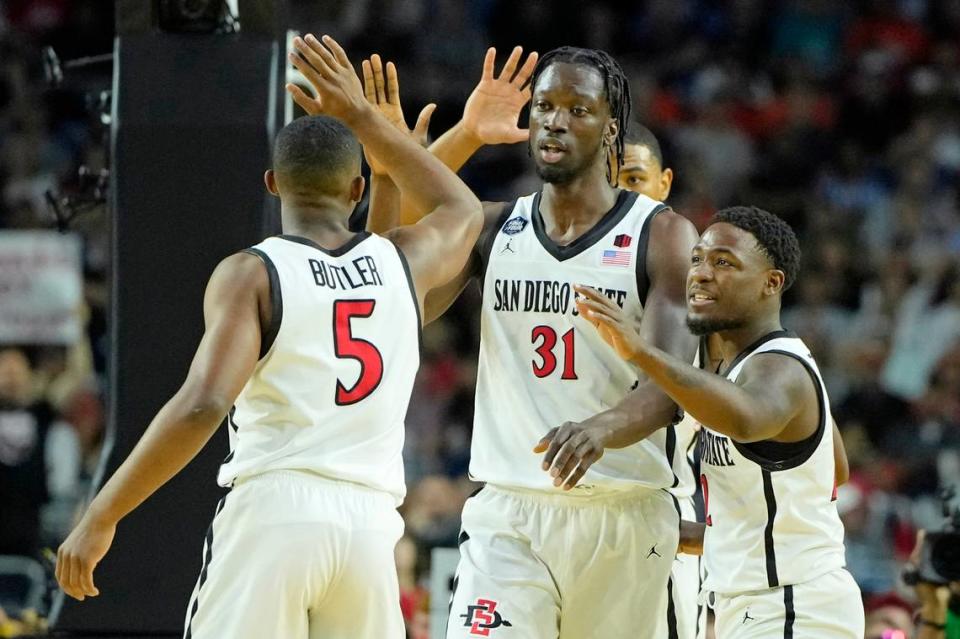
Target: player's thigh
251, 582
622, 590
500, 583
828, 607
364, 598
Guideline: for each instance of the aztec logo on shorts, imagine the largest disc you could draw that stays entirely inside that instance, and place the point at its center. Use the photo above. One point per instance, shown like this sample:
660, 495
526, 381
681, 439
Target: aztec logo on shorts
514, 225
483, 617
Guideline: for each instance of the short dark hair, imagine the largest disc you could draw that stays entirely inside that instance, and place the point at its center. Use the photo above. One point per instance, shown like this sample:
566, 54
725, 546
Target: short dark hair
615, 84
640, 135
774, 237
316, 152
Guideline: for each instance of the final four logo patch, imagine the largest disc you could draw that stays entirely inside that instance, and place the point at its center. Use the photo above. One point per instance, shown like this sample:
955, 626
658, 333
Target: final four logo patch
514, 225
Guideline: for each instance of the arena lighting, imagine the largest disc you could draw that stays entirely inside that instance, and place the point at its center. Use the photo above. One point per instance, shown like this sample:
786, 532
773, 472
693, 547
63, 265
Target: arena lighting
193, 16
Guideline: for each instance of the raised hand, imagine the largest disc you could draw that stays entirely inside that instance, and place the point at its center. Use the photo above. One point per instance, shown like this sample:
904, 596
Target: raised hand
326, 66
382, 90
492, 110
610, 321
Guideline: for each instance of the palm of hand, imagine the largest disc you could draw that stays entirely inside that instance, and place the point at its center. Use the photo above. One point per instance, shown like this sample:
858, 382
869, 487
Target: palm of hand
492, 111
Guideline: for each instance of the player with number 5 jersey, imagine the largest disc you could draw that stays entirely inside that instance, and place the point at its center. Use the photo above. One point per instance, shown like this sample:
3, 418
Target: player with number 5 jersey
310, 351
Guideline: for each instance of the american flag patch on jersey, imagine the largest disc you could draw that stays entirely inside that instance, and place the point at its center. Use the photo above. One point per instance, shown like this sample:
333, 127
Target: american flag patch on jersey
615, 258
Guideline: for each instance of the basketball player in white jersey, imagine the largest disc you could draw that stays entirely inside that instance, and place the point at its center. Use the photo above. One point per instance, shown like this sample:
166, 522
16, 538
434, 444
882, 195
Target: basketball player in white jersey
773, 551
643, 171
542, 556
310, 350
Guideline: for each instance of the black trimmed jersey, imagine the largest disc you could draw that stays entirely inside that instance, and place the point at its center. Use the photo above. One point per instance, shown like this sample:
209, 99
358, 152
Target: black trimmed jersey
770, 523
541, 364
330, 392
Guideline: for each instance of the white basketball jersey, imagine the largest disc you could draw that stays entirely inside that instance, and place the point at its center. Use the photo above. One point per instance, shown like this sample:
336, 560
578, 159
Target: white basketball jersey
337, 366
770, 522
541, 364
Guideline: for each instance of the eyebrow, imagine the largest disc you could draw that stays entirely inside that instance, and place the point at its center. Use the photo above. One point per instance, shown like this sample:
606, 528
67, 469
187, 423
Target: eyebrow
627, 169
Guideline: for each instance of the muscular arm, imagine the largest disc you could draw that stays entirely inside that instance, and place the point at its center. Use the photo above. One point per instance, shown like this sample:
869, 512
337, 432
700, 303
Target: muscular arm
648, 408
570, 449
224, 361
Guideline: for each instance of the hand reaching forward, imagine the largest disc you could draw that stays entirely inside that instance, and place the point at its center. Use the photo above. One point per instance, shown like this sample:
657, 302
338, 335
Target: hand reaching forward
383, 92
611, 322
326, 66
492, 110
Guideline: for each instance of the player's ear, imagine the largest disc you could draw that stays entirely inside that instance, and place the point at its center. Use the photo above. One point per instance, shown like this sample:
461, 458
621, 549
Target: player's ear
357, 185
270, 180
775, 281
666, 182
610, 132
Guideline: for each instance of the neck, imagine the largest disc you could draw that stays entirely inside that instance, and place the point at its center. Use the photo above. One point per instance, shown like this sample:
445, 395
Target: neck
325, 225
578, 203
732, 343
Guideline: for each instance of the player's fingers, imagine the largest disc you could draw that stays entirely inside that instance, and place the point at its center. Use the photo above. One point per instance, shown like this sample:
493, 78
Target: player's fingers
592, 294
422, 127
544, 443
378, 80
369, 90
556, 442
561, 460
316, 54
575, 477
86, 580
527, 69
307, 103
73, 571
325, 62
393, 84
510, 67
488, 61
298, 60
338, 53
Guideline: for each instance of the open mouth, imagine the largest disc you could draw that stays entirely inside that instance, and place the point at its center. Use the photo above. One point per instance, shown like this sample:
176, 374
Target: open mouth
552, 151
698, 299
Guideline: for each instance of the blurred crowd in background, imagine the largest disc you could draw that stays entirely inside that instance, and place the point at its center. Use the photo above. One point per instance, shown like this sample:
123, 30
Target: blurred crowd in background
841, 117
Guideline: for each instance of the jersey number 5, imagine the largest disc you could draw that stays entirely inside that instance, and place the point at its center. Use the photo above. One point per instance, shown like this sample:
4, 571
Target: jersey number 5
545, 351
346, 346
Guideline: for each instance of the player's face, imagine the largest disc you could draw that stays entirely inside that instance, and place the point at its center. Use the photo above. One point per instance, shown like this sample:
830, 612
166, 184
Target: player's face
729, 278
642, 173
569, 122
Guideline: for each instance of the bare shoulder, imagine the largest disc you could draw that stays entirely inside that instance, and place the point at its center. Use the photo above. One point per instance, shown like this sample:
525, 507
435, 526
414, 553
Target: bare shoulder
781, 373
671, 228
239, 273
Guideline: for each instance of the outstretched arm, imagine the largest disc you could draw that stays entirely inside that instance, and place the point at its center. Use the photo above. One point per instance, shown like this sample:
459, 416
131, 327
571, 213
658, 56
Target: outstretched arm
571, 448
224, 361
769, 393
438, 247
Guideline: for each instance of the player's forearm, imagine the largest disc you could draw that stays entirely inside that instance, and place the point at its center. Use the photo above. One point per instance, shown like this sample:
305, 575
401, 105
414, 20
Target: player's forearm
454, 148
641, 413
422, 179
710, 399
383, 212
175, 436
